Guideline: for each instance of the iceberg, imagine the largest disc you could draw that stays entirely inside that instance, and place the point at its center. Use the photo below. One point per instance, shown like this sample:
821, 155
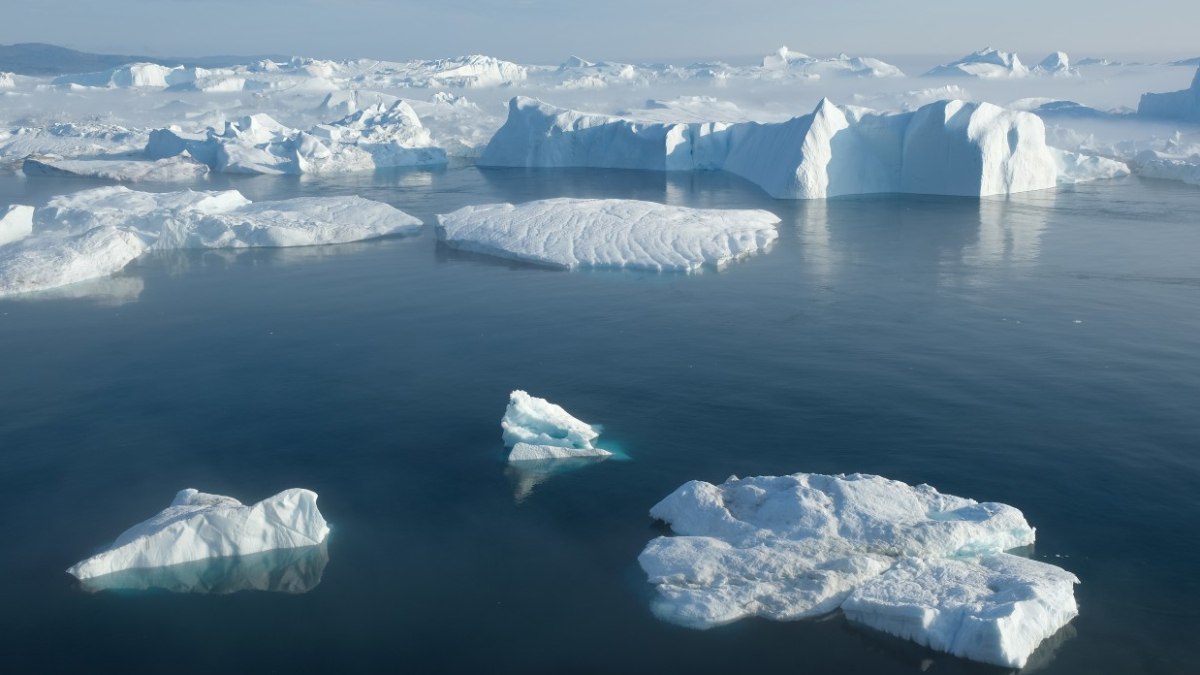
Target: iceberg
1074, 167
198, 526
1057, 64
97, 232
1179, 105
378, 136
537, 429
985, 64
133, 76
609, 233
842, 65
890, 555
178, 168
947, 148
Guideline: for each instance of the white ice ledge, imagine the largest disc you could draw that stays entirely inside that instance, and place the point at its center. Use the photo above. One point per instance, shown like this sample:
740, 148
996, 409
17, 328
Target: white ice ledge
198, 526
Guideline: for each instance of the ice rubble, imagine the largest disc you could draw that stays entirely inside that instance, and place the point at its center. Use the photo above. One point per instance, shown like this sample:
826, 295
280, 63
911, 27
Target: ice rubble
377, 136
986, 64
1073, 167
906, 560
1180, 105
179, 168
199, 526
537, 429
946, 147
97, 232
610, 233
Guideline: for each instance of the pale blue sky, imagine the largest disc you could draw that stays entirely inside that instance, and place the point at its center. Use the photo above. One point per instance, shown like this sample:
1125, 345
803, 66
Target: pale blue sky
546, 31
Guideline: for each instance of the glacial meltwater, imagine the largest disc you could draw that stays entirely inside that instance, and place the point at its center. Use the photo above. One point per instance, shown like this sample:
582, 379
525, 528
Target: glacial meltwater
1041, 350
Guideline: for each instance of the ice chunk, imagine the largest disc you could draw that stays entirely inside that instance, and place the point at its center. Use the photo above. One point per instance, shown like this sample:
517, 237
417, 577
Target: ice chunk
133, 75
609, 233
7, 80
198, 526
790, 547
996, 609
16, 223
1181, 105
179, 168
946, 147
94, 233
1057, 64
986, 64
534, 428
1168, 166
1076, 168
286, 570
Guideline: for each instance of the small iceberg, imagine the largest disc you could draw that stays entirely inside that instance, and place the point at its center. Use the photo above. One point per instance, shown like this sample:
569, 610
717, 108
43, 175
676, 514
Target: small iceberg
199, 526
906, 560
537, 430
610, 233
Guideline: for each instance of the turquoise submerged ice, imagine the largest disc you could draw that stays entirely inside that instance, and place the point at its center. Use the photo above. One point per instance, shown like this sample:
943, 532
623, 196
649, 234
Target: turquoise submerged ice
902, 559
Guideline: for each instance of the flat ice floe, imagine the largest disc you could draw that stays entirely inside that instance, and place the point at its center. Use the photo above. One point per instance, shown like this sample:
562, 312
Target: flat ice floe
171, 169
610, 233
537, 429
906, 560
95, 233
948, 147
198, 526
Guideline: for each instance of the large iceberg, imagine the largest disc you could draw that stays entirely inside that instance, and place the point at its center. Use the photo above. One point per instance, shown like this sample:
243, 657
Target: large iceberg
906, 560
1181, 105
378, 136
986, 64
198, 526
787, 60
946, 147
610, 233
537, 429
97, 232
133, 76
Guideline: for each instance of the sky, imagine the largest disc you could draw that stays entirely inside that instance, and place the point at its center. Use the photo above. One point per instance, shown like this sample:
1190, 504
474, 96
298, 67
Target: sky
547, 31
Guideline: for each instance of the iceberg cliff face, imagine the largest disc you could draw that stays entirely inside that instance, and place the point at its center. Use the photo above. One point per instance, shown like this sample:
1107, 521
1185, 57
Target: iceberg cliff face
907, 560
198, 526
945, 148
1180, 105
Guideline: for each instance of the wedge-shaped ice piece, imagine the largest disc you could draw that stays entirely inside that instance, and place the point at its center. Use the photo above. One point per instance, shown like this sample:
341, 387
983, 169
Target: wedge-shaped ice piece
995, 609
610, 233
533, 426
198, 526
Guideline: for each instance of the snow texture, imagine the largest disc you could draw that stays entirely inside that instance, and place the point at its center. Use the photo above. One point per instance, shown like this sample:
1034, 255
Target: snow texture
198, 526
946, 148
610, 233
97, 232
537, 429
790, 547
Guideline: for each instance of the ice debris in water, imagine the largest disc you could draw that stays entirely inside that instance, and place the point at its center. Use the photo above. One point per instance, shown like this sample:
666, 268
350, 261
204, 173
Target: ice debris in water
199, 526
537, 429
610, 233
906, 560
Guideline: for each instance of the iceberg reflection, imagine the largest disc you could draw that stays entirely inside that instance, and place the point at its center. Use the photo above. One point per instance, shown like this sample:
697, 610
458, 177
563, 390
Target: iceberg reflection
528, 474
291, 570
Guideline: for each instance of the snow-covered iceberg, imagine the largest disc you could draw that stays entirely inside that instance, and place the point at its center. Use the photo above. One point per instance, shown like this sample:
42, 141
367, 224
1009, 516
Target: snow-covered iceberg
946, 148
1180, 105
537, 429
178, 168
903, 559
1057, 64
986, 64
378, 136
97, 232
787, 60
133, 76
610, 233
198, 526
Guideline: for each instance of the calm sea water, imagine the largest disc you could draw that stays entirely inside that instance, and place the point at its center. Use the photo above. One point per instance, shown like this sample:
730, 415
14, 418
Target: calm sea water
1040, 351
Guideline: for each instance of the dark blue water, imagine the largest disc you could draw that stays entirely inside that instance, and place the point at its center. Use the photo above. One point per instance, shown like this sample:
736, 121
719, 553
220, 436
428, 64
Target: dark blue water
1040, 351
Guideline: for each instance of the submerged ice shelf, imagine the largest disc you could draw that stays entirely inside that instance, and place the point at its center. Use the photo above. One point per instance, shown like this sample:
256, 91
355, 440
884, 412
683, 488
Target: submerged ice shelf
906, 560
610, 233
198, 526
97, 232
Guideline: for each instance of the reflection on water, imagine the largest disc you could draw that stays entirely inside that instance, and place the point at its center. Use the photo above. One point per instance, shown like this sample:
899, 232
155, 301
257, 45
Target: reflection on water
1010, 230
289, 570
527, 475
106, 292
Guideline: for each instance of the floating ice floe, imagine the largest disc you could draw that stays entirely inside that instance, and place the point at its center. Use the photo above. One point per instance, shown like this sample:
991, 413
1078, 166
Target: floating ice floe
907, 560
1180, 105
610, 233
97, 232
198, 526
378, 136
985, 64
945, 148
537, 429
170, 169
